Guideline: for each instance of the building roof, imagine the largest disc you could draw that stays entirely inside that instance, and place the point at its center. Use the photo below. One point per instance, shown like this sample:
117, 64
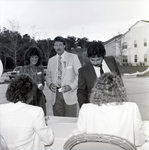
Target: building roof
135, 24
115, 37
138, 22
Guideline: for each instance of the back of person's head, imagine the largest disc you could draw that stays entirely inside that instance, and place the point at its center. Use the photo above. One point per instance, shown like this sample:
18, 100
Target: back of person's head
96, 49
20, 88
108, 88
59, 39
32, 51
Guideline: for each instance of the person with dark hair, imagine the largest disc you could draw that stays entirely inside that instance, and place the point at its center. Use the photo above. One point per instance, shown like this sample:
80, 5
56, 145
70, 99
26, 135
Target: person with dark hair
62, 80
97, 65
33, 67
23, 126
109, 112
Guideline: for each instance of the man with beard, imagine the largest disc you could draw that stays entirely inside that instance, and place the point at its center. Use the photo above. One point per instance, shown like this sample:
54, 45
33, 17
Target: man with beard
97, 65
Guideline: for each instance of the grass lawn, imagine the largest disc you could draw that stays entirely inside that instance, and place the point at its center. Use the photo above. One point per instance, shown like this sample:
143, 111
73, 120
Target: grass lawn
133, 69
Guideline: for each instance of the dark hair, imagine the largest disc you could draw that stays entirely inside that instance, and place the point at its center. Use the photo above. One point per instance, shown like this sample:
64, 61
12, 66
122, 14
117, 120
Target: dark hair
96, 49
59, 39
108, 88
33, 50
19, 88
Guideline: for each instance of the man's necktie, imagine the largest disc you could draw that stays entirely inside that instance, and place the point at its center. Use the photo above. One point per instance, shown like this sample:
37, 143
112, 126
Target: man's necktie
59, 71
101, 70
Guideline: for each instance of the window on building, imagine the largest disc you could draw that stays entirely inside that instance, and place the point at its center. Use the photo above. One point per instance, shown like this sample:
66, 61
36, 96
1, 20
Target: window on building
135, 43
125, 45
135, 58
125, 59
145, 57
145, 41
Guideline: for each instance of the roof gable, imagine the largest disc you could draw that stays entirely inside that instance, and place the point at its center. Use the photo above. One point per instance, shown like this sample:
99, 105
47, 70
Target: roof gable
139, 23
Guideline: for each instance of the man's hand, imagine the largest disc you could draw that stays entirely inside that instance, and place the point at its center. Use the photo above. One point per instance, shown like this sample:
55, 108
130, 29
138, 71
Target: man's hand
52, 87
66, 88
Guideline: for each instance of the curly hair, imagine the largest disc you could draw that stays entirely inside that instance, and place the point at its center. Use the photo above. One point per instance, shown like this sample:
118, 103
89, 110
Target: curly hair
19, 89
33, 50
96, 49
108, 88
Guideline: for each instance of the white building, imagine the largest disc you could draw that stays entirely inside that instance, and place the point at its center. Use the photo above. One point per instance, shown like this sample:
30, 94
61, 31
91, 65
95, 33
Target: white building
112, 47
131, 48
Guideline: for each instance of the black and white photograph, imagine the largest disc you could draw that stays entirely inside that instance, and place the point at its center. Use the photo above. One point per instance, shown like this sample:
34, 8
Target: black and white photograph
74, 74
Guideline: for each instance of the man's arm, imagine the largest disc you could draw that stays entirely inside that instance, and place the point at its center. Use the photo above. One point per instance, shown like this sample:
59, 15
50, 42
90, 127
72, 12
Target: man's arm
82, 92
50, 85
116, 67
111, 62
76, 66
44, 132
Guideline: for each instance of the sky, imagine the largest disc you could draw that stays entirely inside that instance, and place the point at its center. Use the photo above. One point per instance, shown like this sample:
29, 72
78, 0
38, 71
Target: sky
94, 19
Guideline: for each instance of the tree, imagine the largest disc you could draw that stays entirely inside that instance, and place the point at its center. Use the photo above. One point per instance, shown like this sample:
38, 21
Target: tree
9, 42
71, 43
12, 47
123, 47
46, 47
118, 47
25, 42
82, 42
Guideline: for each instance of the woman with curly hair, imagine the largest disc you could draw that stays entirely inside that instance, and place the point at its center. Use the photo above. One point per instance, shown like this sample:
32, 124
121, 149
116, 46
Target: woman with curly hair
23, 126
33, 61
109, 111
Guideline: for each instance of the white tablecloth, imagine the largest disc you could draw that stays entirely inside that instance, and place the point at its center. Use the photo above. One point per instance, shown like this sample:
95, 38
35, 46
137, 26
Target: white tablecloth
62, 126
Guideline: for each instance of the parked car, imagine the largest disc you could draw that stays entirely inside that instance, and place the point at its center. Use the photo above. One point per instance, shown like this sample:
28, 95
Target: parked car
14, 73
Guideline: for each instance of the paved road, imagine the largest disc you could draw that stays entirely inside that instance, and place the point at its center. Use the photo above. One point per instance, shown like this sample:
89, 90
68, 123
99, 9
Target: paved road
137, 89
138, 92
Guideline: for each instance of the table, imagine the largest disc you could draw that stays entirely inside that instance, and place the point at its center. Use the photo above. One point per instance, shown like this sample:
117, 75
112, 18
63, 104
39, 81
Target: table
62, 127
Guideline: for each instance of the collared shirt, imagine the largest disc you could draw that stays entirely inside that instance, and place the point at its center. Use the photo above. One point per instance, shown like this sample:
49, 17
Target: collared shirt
61, 56
104, 67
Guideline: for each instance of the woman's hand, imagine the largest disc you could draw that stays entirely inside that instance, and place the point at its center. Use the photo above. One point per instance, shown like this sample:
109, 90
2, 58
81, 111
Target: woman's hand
47, 119
40, 86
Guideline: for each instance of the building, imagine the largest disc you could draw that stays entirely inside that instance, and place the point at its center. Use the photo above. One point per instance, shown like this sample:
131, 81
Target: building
112, 47
131, 48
